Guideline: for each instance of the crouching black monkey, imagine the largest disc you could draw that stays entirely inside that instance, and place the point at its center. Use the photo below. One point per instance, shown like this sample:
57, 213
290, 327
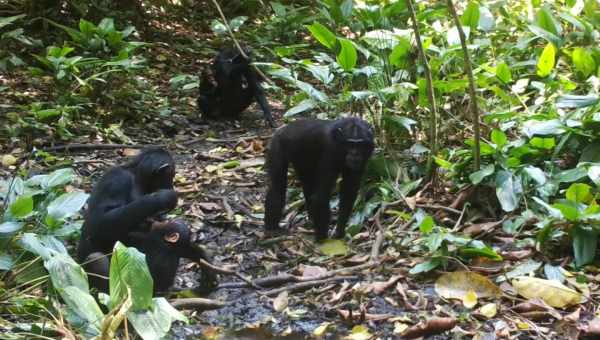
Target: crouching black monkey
237, 86
319, 151
163, 245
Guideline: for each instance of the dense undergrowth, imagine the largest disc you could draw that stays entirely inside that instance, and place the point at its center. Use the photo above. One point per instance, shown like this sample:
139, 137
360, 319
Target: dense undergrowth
82, 73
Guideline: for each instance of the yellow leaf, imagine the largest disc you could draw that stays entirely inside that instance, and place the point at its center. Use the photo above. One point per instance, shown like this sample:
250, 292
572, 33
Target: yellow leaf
359, 333
8, 160
551, 292
522, 325
400, 327
333, 247
320, 331
281, 301
470, 299
456, 285
489, 310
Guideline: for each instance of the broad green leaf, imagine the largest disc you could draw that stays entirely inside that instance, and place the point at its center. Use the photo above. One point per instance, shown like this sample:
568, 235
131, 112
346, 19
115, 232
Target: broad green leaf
569, 211
570, 175
579, 193
499, 138
486, 19
10, 227
594, 174
503, 73
546, 61
585, 243
347, 56
399, 53
426, 225
323, 35
83, 305
381, 39
576, 101
583, 61
66, 205
485, 251
218, 27
478, 176
155, 322
22, 207
6, 262
5, 21
536, 174
237, 22
305, 105
544, 19
65, 272
543, 143
470, 17
543, 127
59, 177
425, 266
508, 190
128, 268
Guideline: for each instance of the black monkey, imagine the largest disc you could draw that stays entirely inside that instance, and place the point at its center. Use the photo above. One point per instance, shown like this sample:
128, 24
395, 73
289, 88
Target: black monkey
237, 86
319, 151
164, 245
125, 198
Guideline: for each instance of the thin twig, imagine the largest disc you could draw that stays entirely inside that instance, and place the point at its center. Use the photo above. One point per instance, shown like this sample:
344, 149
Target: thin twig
472, 92
219, 270
308, 284
73, 147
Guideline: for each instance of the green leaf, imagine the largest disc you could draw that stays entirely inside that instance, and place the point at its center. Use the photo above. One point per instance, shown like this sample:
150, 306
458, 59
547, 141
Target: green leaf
66, 205
426, 225
470, 17
585, 243
237, 22
218, 27
544, 19
583, 61
571, 175
499, 138
347, 56
6, 262
323, 35
425, 266
10, 227
128, 268
569, 211
480, 252
22, 207
83, 305
333, 247
65, 272
508, 190
579, 193
400, 51
478, 176
543, 143
546, 62
536, 174
155, 322
503, 73
59, 177
5, 21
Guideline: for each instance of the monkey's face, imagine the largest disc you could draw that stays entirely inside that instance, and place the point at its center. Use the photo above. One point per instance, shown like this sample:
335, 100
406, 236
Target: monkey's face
357, 155
174, 234
356, 139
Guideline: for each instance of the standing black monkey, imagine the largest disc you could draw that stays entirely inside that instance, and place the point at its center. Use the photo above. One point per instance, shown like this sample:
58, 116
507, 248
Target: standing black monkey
319, 151
237, 86
164, 244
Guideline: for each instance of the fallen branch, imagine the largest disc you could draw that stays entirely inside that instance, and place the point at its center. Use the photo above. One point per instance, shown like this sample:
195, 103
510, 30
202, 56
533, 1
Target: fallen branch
197, 303
308, 284
219, 270
439, 207
73, 147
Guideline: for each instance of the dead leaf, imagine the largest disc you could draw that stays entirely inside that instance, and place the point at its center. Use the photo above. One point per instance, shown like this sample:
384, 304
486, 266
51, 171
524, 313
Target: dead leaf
380, 287
456, 285
209, 206
130, 152
489, 310
280, 303
359, 333
430, 327
8, 160
551, 292
320, 331
536, 305
333, 247
573, 317
592, 328
470, 299
476, 229
357, 315
411, 202
311, 271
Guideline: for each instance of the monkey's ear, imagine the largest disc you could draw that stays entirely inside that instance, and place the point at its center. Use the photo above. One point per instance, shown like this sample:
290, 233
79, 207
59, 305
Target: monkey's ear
171, 237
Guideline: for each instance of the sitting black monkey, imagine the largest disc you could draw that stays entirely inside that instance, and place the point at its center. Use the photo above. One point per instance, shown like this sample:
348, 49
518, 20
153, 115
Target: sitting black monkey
164, 245
125, 198
237, 86
124, 201
319, 151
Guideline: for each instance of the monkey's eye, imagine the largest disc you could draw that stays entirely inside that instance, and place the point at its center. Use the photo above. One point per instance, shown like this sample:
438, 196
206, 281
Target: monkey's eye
172, 237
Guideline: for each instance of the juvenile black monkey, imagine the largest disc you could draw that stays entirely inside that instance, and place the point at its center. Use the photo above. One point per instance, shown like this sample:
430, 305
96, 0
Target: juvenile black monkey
164, 244
125, 198
319, 151
237, 86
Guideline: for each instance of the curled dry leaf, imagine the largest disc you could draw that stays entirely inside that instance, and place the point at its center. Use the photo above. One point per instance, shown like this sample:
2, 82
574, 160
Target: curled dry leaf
430, 327
456, 285
380, 287
551, 292
280, 303
359, 333
8, 160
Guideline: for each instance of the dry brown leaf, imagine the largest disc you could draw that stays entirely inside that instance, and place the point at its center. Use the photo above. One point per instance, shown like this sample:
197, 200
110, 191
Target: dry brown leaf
8, 160
209, 206
592, 328
380, 287
130, 152
430, 327
280, 303
476, 229
551, 292
357, 315
456, 285
311, 271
